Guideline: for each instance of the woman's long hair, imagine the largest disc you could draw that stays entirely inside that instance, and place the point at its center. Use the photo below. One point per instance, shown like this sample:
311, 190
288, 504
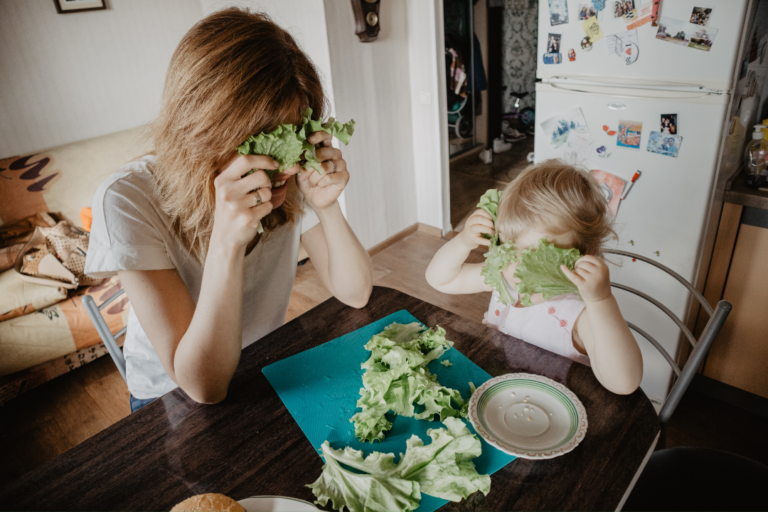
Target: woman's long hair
234, 74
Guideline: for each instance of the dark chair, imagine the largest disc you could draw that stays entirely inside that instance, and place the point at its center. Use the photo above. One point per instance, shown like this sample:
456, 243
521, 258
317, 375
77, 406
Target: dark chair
700, 347
686, 478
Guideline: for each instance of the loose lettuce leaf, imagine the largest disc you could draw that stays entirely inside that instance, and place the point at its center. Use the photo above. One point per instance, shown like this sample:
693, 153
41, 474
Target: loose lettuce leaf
288, 143
396, 379
362, 492
490, 202
539, 271
444, 469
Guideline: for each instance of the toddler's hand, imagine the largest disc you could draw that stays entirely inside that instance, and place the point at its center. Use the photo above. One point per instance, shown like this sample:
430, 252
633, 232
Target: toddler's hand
591, 277
479, 223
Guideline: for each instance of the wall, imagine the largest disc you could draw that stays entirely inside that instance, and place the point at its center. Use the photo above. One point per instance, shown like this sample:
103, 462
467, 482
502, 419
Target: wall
427, 97
371, 84
519, 53
65, 78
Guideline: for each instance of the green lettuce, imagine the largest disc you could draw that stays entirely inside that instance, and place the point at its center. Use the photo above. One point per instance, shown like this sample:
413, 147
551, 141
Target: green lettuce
499, 255
490, 202
396, 380
444, 469
288, 144
539, 271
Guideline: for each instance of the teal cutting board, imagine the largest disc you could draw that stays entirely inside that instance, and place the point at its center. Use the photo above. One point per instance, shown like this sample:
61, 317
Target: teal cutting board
320, 388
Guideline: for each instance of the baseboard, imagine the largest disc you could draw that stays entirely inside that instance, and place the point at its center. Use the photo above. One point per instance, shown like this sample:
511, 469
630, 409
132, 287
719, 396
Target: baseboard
424, 228
731, 395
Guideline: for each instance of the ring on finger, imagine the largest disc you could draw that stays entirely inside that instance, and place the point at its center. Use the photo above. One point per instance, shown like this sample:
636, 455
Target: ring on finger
258, 198
334, 167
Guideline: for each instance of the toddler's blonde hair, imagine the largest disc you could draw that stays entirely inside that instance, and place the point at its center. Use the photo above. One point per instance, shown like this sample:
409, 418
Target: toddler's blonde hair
557, 198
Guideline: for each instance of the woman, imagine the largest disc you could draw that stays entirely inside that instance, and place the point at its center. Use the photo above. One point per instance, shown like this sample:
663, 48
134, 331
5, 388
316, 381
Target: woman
180, 226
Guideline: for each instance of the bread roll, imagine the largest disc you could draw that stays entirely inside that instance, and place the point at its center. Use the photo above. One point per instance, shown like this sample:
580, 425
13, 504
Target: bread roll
209, 502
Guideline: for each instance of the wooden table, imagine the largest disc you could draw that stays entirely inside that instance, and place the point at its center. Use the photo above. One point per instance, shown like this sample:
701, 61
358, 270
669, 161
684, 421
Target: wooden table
250, 445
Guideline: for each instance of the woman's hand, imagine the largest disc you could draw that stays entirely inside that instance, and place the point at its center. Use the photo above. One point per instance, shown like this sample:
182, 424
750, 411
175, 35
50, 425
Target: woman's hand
478, 224
591, 277
242, 201
322, 190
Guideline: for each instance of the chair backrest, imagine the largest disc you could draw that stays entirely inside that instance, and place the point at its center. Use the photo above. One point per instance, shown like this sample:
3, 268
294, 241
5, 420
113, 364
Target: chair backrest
109, 340
700, 347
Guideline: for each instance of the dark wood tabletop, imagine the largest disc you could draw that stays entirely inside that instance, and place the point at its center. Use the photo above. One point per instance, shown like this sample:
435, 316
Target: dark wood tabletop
250, 445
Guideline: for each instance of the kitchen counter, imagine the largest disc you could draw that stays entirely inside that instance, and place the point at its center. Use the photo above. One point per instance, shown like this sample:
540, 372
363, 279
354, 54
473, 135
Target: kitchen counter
738, 193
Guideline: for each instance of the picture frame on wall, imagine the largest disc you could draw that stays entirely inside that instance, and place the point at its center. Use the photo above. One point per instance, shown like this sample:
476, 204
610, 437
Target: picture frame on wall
69, 6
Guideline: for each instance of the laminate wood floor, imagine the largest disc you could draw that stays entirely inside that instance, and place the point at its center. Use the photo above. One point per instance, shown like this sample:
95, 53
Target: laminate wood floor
58, 415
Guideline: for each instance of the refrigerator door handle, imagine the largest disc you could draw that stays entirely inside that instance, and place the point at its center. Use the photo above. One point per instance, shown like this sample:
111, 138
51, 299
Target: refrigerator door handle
656, 94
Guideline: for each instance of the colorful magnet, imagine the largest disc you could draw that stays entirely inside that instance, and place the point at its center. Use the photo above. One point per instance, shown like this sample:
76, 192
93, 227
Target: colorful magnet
586, 44
571, 55
608, 130
602, 152
553, 58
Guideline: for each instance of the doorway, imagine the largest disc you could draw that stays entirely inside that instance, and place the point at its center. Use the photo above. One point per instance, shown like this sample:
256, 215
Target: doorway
490, 52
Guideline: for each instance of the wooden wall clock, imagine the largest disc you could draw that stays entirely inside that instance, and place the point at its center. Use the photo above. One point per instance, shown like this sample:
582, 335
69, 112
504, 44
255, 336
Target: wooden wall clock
366, 19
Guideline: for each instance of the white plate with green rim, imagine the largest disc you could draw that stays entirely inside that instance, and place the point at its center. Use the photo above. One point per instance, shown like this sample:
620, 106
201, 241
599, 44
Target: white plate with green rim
528, 416
276, 504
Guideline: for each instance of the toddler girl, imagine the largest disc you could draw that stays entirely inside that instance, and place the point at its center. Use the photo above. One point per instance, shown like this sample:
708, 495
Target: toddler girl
550, 205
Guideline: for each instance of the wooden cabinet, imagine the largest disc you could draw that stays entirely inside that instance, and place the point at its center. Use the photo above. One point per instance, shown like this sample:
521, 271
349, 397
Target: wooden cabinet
739, 274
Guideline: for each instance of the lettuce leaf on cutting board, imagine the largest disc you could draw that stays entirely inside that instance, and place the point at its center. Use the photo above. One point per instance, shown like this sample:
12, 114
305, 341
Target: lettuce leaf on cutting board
444, 469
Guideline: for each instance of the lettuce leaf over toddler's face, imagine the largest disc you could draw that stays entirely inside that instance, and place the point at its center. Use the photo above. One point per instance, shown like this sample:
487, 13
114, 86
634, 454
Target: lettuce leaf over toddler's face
539, 271
288, 144
444, 469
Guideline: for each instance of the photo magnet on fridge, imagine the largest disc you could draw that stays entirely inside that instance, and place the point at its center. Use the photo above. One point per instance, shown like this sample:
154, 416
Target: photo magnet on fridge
553, 58
587, 11
667, 145
558, 12
553, 43
629, 134
623, 7
611, 186
700, 15
669, 124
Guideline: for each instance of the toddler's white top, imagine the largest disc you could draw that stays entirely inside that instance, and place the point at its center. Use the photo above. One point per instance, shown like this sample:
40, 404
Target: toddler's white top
548, 325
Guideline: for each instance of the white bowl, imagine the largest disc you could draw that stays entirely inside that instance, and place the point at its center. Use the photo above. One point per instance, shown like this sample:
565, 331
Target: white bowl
528, 416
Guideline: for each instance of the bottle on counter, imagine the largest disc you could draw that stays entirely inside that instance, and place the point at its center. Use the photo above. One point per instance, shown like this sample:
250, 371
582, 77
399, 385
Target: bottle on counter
755, 159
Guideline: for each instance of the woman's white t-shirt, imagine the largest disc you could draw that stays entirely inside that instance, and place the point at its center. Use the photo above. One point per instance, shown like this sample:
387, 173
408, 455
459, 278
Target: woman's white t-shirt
131, 232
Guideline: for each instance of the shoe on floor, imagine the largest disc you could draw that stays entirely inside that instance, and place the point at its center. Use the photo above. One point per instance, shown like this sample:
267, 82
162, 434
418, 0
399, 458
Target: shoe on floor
500, 146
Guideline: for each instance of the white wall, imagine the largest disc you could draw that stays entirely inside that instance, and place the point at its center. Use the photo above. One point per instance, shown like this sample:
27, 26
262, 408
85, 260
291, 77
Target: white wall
427, 99
372, 85
68, 77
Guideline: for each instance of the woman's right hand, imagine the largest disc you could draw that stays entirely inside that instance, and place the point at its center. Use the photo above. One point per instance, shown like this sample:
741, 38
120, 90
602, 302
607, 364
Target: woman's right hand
241, 202
477, 224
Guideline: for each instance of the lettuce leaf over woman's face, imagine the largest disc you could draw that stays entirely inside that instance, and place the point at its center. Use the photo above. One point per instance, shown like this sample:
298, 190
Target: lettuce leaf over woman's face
288, 143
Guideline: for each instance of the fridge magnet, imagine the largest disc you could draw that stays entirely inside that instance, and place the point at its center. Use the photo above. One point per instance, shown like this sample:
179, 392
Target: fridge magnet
672, 31
667, 145
602, 152
559, 125
586, 44
611, 186
657, 253
558, 12
618, 43
592, 29
703, 38
700, 15
608, 130
622, 7
587, 11
632, 243
577, 148
553, 58
669, 124
629, 134
642, 15
599, 5
571, 55
630, 184
553, 43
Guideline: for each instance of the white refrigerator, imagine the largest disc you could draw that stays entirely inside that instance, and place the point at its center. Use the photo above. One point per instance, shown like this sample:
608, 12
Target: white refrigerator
666, 215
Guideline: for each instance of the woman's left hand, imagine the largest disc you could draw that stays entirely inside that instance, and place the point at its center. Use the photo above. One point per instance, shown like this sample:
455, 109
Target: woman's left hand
322, 190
